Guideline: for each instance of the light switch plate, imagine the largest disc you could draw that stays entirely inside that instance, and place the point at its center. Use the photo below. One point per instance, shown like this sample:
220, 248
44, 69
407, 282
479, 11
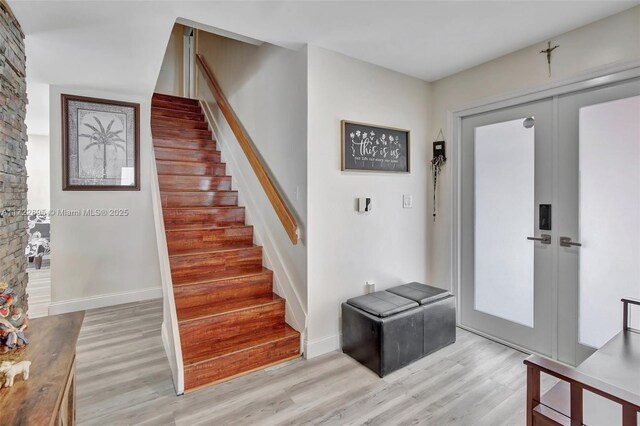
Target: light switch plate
407, 201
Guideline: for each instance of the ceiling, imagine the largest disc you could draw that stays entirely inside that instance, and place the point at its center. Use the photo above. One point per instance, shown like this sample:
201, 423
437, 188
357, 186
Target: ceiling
119, 45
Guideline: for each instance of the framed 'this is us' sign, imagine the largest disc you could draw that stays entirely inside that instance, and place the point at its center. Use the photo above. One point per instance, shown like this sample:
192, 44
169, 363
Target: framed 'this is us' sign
366, 147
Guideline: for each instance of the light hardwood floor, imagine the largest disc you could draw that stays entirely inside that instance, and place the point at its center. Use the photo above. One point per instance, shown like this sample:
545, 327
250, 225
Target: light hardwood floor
123, 377
39, 291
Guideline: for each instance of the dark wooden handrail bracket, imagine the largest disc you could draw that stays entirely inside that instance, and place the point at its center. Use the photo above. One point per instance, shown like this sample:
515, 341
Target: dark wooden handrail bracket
277, 201
552, 409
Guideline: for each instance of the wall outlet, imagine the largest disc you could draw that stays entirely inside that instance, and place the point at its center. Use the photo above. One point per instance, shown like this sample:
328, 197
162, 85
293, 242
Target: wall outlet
407, 201
370, 286
297, 196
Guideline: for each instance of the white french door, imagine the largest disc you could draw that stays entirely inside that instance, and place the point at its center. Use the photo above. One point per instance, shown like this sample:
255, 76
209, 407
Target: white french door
550, 220
599, 208
506, 159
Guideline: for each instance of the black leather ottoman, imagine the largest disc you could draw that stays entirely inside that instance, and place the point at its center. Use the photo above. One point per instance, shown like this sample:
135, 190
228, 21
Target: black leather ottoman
439, 310
382, 331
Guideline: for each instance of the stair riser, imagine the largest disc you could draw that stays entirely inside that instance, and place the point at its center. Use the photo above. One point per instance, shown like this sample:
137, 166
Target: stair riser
224, 326
174, 99
166, 132
176, 106
201, 199
188, 296
168, 154
195, 169
167, 123
214, 217
201, 145
194, 183
181, 241
189, 268
241, 362
185, 115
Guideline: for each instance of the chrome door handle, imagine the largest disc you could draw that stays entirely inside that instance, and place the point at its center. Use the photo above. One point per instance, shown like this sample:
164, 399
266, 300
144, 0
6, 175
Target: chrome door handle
566, 242
543, 238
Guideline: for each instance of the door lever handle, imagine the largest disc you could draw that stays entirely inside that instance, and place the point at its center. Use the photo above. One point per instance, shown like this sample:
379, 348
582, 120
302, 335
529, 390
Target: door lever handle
566, 242
543, 238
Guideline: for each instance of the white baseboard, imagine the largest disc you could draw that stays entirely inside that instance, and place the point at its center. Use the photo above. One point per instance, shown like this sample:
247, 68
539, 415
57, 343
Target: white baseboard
317, 347
100, 301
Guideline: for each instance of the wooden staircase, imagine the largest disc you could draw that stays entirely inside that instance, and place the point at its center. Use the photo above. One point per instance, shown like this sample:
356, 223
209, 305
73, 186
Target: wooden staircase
229, 319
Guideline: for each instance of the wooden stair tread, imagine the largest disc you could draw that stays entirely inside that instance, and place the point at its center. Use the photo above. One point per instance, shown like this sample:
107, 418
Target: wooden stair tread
167, 190
212, 251
193, 191
171, 132
189, 209
186, 148
178, 138
208, 351
226, 307
209, 251
187, 174
160, 104
160, 111
196, 208
199, 198
189, 162
227, 275
170, 123
183, 150
198, 227
174, 98
192, 161
160, 121
192, 227
164, 120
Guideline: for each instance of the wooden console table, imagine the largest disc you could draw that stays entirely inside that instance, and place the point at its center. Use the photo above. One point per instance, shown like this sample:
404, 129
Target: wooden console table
48, 397
611, 377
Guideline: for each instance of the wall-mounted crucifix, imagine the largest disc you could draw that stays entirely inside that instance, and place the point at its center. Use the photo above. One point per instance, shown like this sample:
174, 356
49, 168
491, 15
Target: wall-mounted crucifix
548, 51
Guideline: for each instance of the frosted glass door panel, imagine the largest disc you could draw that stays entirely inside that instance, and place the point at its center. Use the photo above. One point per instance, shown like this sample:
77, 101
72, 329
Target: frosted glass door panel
504, 218
609, 216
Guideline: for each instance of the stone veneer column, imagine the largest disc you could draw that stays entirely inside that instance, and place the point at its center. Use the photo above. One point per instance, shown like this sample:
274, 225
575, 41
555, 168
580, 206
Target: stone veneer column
13, 152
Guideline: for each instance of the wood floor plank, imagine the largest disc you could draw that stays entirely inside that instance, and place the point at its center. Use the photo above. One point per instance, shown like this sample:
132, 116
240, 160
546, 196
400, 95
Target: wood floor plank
123, 377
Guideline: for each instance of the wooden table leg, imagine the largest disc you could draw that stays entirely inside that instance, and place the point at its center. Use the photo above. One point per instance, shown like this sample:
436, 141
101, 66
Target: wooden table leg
629, 416
533, 392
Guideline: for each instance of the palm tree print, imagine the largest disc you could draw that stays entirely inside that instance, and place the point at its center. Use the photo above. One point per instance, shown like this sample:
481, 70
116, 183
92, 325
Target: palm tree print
101, 138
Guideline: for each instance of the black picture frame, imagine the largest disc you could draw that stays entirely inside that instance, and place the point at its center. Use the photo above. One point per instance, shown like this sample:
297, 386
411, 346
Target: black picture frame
109, 131
389, 150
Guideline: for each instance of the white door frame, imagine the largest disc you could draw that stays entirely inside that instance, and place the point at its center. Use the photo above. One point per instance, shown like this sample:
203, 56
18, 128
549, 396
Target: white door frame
598, 77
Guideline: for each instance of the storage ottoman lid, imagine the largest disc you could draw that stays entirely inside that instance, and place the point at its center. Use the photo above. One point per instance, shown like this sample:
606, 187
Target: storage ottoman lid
381, 303
421, 293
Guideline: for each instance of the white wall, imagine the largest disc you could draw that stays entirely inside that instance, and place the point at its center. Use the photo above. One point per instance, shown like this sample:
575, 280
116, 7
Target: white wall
99, 261
266, 86
611, 40
171, 72
387, 245
38, 172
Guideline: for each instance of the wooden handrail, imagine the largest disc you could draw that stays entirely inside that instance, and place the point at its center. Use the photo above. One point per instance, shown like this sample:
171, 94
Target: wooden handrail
283, 212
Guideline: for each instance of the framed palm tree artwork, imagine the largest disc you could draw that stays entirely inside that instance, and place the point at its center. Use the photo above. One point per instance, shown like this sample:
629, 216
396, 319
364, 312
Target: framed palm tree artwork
100, 144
